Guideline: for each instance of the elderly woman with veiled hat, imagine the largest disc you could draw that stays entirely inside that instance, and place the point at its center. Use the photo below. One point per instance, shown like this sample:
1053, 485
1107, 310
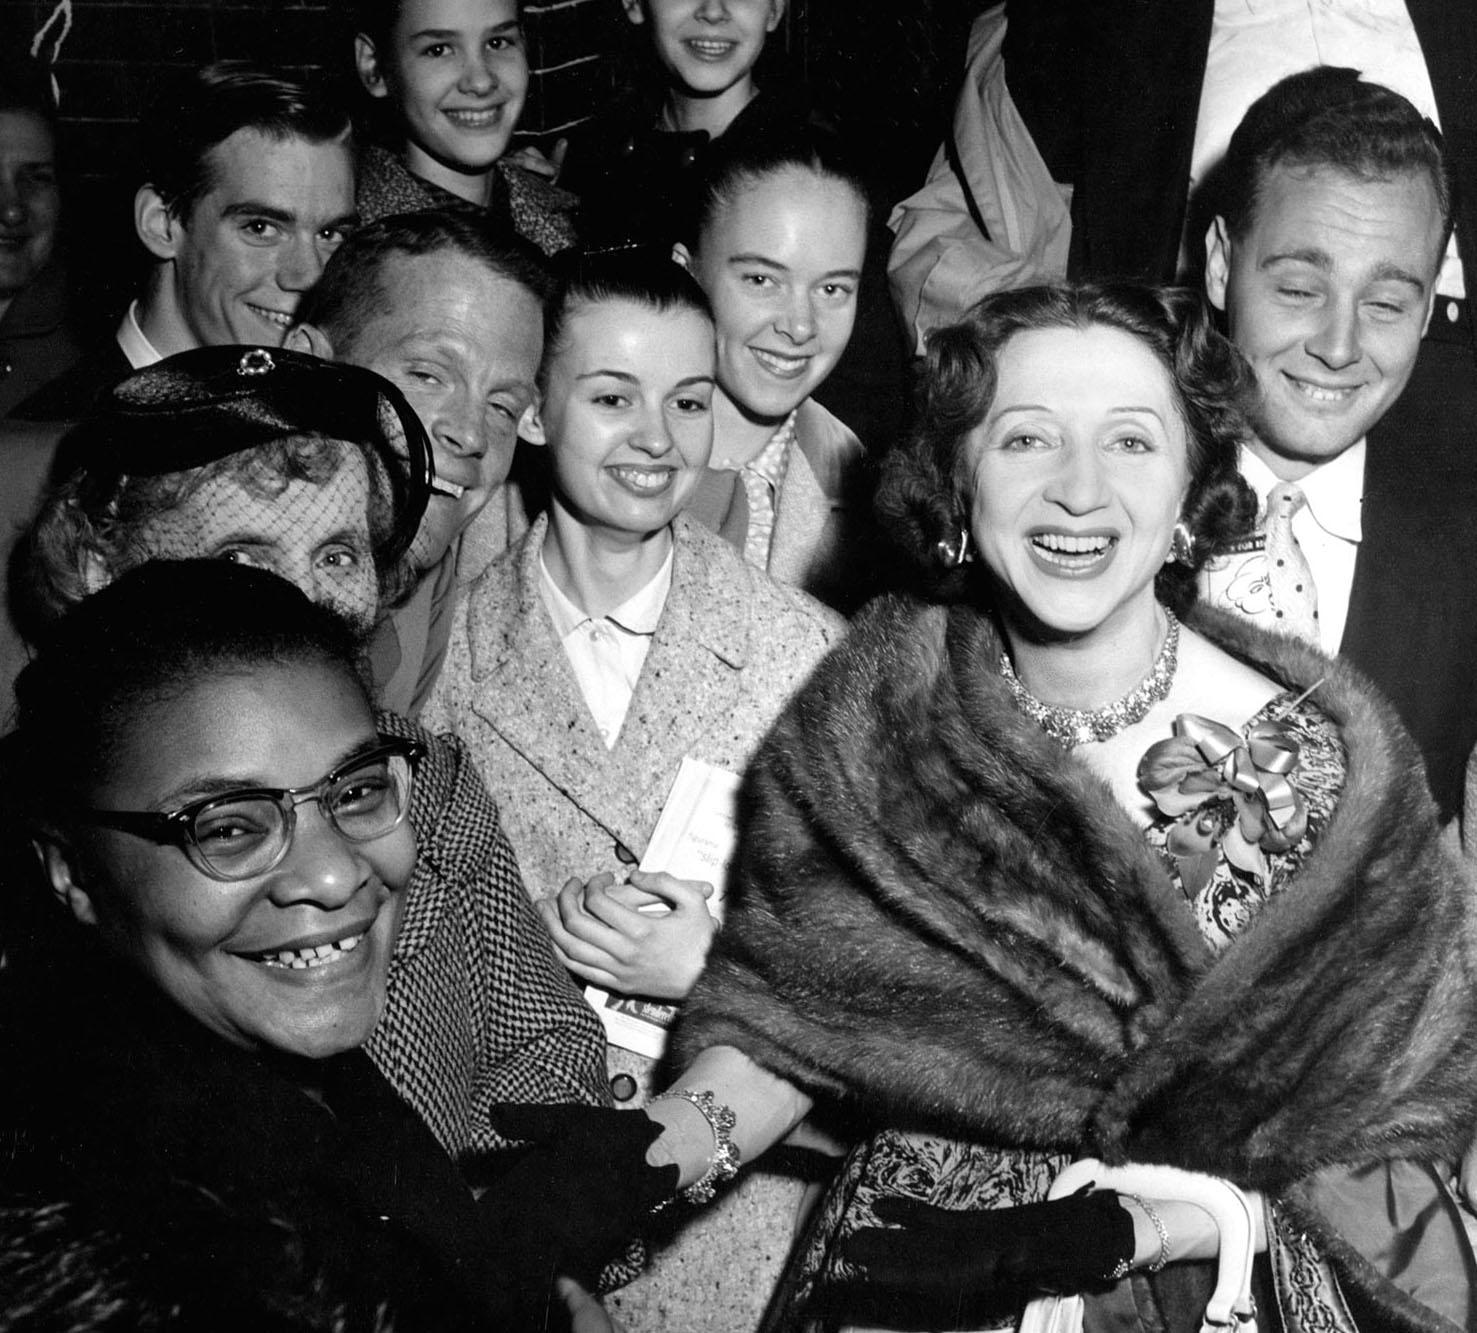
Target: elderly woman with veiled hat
320, 473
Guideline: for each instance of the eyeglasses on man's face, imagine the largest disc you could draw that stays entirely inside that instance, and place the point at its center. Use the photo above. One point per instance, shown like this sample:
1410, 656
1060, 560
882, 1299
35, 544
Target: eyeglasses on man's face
241, 834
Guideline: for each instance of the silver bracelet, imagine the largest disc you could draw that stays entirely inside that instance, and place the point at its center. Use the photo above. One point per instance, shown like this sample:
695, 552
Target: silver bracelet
723, 1165
1158, 1222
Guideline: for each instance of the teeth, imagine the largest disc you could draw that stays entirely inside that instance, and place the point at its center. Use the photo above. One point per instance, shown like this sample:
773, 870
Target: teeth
780, 365
274, 316
711, 48
475, 119
301, 959
643, 479
1320, 395
1070, 545
449, 488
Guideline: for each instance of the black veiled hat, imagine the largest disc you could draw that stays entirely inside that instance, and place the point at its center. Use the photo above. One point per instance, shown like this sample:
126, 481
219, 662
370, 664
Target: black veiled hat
202, 405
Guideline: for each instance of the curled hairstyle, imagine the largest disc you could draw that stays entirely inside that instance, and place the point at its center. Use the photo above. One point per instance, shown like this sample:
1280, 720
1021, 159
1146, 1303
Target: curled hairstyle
924, 496
1328, 117
736, 166
147, 637
91, 526
207, 106
351, 291
634, 273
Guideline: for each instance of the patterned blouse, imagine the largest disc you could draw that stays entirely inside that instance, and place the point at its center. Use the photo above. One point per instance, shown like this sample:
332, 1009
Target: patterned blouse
1225, 904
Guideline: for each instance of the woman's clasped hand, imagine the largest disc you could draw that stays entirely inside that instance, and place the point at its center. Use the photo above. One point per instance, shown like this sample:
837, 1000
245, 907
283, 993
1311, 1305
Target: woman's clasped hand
647, 936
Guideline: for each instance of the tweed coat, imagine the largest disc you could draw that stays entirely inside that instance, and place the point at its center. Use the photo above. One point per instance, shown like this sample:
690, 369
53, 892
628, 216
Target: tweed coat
478, 1008
535, 209
731, 648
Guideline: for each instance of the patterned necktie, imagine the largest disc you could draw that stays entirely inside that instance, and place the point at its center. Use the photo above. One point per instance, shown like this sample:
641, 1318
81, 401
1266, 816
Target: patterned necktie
1294, 598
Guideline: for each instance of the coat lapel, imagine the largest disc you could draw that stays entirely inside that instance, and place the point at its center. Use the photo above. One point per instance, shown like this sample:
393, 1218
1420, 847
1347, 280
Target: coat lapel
526, 690
692, 675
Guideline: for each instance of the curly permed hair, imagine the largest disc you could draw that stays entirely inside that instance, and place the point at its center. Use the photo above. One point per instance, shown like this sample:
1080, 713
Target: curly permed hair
923, 498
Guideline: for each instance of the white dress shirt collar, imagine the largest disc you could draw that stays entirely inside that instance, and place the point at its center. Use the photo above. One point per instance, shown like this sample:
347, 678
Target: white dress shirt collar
137, 348
1334, 490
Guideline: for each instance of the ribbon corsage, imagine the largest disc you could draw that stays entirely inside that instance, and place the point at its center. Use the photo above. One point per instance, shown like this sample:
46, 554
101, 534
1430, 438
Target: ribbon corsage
1225, 791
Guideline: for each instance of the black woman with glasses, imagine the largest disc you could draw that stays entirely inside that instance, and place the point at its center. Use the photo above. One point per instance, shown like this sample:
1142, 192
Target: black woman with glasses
319, 473
226, 828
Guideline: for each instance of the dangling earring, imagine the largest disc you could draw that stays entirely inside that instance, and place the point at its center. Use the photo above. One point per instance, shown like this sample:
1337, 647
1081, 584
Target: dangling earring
1181, 545
957, 553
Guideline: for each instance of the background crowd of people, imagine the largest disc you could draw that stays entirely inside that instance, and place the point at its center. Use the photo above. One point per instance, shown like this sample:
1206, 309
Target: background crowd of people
1059, 572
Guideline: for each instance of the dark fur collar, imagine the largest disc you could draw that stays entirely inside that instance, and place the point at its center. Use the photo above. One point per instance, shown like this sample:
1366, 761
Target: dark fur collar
938, 914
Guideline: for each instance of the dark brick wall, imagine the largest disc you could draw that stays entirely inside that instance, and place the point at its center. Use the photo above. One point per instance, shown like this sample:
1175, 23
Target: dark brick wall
108, 56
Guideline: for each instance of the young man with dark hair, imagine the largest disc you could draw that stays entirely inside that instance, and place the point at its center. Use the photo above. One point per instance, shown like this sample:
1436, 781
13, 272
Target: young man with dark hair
248, 189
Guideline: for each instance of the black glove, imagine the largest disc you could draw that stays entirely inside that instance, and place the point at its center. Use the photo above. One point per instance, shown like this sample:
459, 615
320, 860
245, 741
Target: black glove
571, 1201
982, 1258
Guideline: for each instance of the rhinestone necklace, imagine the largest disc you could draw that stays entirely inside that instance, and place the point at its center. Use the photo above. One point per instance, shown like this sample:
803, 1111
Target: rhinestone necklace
1076, 726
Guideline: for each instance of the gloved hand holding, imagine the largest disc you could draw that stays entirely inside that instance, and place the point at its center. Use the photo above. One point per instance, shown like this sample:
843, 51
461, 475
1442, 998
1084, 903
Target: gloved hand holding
577, 1194
968, 1258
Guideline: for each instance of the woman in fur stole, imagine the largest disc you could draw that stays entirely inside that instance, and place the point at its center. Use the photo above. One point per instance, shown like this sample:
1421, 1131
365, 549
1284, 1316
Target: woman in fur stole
1033, 865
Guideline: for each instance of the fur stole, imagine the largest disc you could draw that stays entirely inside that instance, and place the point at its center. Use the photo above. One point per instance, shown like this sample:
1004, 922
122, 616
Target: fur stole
938, 915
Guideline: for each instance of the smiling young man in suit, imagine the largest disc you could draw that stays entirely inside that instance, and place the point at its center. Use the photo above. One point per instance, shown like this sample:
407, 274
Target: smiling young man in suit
1334, 208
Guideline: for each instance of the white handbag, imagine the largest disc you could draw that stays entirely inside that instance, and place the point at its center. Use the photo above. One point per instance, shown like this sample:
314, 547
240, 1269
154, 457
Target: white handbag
1231, 1306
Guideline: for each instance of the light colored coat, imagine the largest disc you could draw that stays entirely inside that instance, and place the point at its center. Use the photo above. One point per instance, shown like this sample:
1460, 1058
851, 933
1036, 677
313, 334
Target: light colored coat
822, 518
731, 649
824, 541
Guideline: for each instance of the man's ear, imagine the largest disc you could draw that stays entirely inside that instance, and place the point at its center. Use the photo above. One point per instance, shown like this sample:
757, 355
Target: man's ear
367, 62
531, 424
776, 13
635, 10
1431, 298
682, 255
156, 226
1217, 262
311, 339
59, 862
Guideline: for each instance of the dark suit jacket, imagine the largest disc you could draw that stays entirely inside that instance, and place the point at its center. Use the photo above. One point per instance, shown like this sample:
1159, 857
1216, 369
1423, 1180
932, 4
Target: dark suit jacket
38, 338
1111, 93
70, 394
26, 453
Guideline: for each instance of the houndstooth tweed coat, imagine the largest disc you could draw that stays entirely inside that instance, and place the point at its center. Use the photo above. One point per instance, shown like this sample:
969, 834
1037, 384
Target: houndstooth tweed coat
478, 1008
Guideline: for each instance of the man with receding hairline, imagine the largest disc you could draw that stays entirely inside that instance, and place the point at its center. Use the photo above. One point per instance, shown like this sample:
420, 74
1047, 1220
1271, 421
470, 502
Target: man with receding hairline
453, 318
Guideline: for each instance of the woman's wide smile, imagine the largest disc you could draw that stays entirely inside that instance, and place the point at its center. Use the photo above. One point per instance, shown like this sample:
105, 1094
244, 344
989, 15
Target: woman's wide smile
1063, 554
